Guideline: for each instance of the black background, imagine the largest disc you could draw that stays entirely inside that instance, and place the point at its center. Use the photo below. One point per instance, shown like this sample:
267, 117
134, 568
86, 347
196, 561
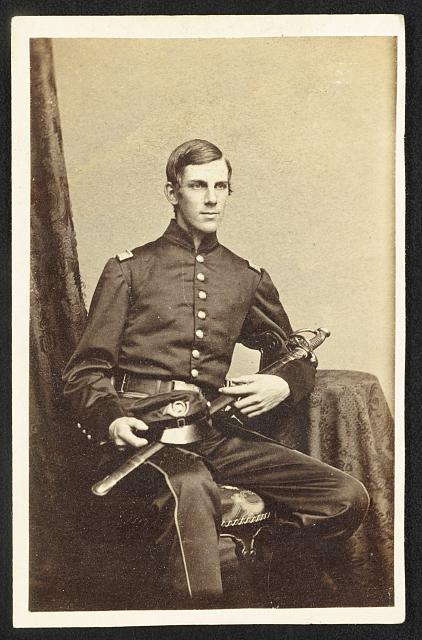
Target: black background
412, 11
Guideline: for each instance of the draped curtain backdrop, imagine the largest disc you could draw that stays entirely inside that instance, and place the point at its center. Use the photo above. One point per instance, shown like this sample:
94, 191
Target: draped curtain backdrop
57, 316
346, 422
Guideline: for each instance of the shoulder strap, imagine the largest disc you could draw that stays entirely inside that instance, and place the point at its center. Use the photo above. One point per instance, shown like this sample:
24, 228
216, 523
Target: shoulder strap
125, 255
254, 266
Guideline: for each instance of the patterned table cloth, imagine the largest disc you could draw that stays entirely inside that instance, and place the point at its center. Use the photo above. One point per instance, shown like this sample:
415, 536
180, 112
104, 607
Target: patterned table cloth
347, 423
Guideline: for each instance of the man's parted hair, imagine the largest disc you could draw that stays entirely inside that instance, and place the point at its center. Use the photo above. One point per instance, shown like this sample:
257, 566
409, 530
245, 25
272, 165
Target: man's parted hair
193, 152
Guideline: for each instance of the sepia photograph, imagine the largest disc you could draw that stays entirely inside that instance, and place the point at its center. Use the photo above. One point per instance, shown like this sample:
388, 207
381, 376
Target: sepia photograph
212, 401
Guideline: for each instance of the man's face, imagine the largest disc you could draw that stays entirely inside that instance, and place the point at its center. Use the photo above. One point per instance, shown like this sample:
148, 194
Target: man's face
200, 199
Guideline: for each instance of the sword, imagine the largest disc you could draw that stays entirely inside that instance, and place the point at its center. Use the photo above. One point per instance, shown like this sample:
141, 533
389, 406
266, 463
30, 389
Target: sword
299, 347
102, 487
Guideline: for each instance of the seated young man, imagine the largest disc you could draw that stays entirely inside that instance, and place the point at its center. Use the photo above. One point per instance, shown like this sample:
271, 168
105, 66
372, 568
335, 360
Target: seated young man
167, 315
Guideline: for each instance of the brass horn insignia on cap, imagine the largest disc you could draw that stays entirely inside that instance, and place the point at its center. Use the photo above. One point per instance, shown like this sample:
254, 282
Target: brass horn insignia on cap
177, 409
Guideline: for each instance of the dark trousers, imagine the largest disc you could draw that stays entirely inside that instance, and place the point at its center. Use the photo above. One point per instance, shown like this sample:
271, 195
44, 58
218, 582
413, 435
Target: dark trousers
314, 502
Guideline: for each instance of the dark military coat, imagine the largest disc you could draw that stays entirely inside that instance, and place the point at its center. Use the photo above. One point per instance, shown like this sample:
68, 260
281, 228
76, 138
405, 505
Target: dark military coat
172, 312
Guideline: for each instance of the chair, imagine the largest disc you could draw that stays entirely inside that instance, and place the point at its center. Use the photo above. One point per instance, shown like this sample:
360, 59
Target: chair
345, 422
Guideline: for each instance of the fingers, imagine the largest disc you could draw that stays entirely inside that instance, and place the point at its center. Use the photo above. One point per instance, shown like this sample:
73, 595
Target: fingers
122, 432
247, 402
124, 436
256, 409
253, 414
253, 410
228, 391
238, 389
251, 406
244, 379
254, 405
257, 393
133, 440
139, 425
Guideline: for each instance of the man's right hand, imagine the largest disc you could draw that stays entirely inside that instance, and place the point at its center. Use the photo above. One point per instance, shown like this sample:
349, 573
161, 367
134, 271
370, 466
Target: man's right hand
122, 431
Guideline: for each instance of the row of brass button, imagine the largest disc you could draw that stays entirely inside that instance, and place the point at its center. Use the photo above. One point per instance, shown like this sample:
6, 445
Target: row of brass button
201, 314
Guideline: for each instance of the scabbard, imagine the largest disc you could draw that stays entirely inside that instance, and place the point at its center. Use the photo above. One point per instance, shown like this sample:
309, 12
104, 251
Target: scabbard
102, 487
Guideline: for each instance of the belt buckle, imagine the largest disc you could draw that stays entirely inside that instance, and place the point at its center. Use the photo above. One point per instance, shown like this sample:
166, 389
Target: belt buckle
180, 385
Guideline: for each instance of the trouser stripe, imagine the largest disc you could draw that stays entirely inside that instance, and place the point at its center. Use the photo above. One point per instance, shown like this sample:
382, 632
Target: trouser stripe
176, 507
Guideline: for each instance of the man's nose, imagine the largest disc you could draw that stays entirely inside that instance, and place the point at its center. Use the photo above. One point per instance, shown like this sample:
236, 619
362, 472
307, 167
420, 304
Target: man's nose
210, 196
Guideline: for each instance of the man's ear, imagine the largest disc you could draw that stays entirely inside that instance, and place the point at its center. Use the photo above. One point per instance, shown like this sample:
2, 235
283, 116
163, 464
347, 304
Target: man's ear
171, 193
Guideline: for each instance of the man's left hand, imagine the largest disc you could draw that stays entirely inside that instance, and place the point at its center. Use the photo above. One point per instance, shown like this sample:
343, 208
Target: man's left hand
259, 393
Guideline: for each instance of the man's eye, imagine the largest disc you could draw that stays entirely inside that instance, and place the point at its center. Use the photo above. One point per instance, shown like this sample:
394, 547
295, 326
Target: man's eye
196, 185
221, 187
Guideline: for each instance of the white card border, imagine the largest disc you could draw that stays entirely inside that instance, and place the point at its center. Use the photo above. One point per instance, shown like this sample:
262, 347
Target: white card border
220, 26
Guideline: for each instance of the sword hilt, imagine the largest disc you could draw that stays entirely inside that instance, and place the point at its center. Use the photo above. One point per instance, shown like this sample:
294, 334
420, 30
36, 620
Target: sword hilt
319, 337
298, 347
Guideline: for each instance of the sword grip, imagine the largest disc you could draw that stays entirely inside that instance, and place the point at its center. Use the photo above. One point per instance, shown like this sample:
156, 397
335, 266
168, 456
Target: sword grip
319, 338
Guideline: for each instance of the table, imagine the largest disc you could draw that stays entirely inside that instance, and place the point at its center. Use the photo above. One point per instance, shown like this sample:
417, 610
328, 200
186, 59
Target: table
347, 423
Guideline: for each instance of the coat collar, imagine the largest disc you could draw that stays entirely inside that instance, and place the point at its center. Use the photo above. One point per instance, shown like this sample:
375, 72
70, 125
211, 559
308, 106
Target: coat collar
176, 234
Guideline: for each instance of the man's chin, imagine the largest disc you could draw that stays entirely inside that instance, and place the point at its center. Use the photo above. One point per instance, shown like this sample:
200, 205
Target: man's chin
209, 225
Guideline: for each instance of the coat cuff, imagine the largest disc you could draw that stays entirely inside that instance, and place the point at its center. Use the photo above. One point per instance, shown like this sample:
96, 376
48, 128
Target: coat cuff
99, 417
300, 376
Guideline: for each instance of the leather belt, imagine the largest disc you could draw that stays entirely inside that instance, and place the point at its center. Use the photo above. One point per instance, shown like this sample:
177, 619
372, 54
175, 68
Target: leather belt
130, 382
